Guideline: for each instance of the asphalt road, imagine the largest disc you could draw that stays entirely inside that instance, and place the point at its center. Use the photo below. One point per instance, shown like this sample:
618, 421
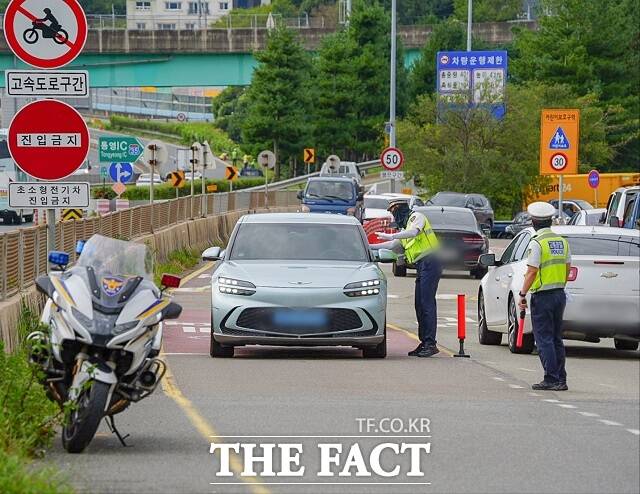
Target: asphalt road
488, 432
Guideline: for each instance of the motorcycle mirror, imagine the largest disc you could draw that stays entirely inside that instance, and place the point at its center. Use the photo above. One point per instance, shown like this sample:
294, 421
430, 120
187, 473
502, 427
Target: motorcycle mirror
170, 281
58, 258
80, 246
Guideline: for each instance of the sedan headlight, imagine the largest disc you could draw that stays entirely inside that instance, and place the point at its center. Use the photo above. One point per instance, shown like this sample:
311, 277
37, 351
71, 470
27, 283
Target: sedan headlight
362, 288
235, 287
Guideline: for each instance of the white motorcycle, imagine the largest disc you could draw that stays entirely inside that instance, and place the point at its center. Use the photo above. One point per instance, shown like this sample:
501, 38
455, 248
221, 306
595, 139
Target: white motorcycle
104, 317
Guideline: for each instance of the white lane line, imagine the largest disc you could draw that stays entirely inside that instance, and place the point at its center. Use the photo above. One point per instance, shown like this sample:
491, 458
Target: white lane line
171, 323
551, 401
516, 386
203, 276
534, 394
188, 329
525, 369
634, 431
204, 330
499, 379
391, 295
610, 422
588, 414
607, 385
565, 405
489, 362
446, 296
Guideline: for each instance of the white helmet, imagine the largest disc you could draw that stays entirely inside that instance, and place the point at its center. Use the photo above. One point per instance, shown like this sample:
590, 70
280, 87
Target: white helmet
541, 211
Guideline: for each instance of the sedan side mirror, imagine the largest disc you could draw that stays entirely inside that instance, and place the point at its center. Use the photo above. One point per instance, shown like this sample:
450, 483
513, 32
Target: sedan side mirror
384, 256
487, 260
212, 254
300, 195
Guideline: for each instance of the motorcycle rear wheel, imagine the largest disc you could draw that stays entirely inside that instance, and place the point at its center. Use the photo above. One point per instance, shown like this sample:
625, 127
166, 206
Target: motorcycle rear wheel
61, 37
84, 420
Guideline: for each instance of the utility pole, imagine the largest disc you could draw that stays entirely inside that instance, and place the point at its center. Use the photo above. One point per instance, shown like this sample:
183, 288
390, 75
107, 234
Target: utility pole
392, 95
469, 23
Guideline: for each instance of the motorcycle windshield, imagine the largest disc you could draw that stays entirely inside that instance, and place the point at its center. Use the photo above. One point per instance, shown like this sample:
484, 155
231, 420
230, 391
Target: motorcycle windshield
109, 256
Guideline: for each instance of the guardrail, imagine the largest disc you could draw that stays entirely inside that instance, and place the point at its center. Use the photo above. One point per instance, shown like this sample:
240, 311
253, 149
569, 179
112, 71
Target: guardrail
23, 253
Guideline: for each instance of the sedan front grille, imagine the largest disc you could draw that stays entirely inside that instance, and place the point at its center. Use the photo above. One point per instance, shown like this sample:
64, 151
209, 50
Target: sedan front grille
263, 319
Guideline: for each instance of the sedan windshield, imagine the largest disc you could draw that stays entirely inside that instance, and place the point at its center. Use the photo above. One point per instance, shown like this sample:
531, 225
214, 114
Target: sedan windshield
298, 242
319, 189
376, 203
445, 199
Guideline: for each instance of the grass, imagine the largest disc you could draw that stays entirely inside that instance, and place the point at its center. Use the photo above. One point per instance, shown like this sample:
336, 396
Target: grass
28, 419
179, 261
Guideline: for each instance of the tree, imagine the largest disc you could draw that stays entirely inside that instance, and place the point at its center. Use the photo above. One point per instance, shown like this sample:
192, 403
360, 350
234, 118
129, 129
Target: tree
278, 98
489, 10
229, 110
468, 150
594, 48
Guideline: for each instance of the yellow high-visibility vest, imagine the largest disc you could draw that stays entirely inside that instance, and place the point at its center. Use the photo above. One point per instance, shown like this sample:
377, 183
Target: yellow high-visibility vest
422, 244
552, 272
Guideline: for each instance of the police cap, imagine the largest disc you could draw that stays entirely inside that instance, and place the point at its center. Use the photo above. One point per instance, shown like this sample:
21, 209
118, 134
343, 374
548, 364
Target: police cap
541, 210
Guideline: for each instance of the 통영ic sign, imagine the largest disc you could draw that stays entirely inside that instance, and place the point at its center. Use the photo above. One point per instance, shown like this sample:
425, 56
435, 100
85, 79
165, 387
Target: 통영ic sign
48, 139
46, 34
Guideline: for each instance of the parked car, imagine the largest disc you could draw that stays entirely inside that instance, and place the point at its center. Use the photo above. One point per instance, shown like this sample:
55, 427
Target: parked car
310, 280
477, 203
144, 180
521, 221
632, 214
249, 171
588, 217
571, 206
335, 195
603, 289
377, 205
461, 240
617, 204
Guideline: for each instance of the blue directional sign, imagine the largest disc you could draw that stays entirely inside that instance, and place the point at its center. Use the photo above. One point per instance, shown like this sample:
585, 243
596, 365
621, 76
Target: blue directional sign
472, 78
559, 140
121, 172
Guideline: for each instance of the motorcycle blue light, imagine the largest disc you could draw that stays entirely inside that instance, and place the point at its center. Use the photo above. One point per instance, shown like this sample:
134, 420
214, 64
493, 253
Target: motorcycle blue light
58, 258
80, 246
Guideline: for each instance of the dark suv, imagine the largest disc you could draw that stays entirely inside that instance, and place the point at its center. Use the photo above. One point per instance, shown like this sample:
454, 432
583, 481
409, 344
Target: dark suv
478, 203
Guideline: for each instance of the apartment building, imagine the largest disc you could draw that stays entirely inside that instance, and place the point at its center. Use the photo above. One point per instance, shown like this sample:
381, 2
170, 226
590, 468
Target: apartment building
175, 14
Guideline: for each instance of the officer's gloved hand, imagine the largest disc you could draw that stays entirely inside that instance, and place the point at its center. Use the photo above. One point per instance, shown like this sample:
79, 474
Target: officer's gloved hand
384, 236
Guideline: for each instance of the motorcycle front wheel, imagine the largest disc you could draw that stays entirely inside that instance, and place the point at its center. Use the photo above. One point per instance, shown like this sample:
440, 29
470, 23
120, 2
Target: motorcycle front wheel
84, 419
61, 37
30, 36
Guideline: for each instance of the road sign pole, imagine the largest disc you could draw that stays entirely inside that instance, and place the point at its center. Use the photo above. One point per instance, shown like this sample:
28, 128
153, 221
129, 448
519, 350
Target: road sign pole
152, 162
392, 96
560, 215
469, 23
193, 172
203, 208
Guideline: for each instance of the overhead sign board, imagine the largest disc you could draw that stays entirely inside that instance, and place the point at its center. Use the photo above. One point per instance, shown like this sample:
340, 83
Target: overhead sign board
120, 149
559, 139
48, 139
57, 83
472, 78
48, 195
392, 158
45, 34
121, 172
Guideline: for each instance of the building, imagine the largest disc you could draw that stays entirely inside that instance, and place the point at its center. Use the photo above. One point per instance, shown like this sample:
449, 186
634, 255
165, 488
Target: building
175, 14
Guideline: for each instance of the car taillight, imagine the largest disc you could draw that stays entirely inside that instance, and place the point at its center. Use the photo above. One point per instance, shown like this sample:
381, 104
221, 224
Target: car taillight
573, 274
476, 239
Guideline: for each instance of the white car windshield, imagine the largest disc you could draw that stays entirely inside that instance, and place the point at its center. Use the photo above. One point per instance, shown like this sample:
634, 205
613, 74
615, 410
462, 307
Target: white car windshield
109, 256
297, 242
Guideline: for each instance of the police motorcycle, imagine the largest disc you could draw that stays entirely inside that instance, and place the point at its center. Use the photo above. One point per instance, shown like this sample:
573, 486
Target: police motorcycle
104, 318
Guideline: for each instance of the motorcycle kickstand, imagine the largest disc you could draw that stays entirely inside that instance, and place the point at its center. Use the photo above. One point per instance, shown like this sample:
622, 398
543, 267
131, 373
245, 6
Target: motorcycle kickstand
114, 430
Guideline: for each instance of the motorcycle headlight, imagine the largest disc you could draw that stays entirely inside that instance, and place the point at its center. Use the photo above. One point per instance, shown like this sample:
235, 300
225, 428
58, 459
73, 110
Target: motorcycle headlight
362, 288
230, 286
86, 322
121, 328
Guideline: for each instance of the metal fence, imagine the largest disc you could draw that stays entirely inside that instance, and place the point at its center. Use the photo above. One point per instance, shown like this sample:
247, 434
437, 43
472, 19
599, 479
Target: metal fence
24, 252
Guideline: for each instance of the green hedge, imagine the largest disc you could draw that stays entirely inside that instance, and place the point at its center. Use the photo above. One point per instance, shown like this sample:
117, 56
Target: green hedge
186, 132
166, 191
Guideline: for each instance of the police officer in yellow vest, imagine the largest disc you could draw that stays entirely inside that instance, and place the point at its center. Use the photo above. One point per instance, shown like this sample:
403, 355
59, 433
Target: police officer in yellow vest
419, 244
548, 264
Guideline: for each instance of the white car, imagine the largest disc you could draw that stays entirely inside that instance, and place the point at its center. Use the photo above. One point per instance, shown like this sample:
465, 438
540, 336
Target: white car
618, 202
588, 217
344, 169
196, 175
376, 205
144, 180
603, 291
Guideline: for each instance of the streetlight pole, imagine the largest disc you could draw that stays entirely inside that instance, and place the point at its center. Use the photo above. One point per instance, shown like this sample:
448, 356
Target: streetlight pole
392, 95
469, 23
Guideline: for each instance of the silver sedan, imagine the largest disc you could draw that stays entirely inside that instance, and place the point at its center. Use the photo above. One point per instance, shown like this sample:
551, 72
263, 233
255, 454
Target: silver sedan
298, 279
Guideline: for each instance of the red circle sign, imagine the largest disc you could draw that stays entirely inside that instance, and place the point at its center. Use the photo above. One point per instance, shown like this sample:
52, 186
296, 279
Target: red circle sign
46, 40
558, 161
392, 158
48, 139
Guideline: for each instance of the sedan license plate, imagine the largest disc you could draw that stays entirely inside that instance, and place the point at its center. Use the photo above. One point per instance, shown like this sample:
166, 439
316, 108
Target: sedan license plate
299, 318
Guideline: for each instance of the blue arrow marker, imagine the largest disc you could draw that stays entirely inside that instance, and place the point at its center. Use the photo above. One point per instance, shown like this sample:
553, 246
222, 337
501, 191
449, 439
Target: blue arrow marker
559, 140
121, 172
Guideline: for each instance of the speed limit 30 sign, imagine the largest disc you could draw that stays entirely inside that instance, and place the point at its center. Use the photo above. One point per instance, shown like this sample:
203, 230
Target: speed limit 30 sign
392, 158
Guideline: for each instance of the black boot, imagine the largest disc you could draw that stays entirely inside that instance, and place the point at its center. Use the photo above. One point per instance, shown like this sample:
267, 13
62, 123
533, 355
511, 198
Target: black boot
414, 353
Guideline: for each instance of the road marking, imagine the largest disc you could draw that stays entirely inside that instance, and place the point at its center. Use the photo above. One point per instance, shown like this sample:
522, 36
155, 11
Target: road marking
390, 295
588, 414
171, 323
205, 330
203, 276
534, 394
170, 388
551, 401
516, 386
188, 329
413, 336
634, 431
189, 289
189, 277
565, 405
525, 369
609, 422
607, 385
499, 379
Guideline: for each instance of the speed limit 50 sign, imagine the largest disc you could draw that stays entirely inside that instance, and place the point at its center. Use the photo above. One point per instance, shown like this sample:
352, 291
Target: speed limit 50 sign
392, 159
